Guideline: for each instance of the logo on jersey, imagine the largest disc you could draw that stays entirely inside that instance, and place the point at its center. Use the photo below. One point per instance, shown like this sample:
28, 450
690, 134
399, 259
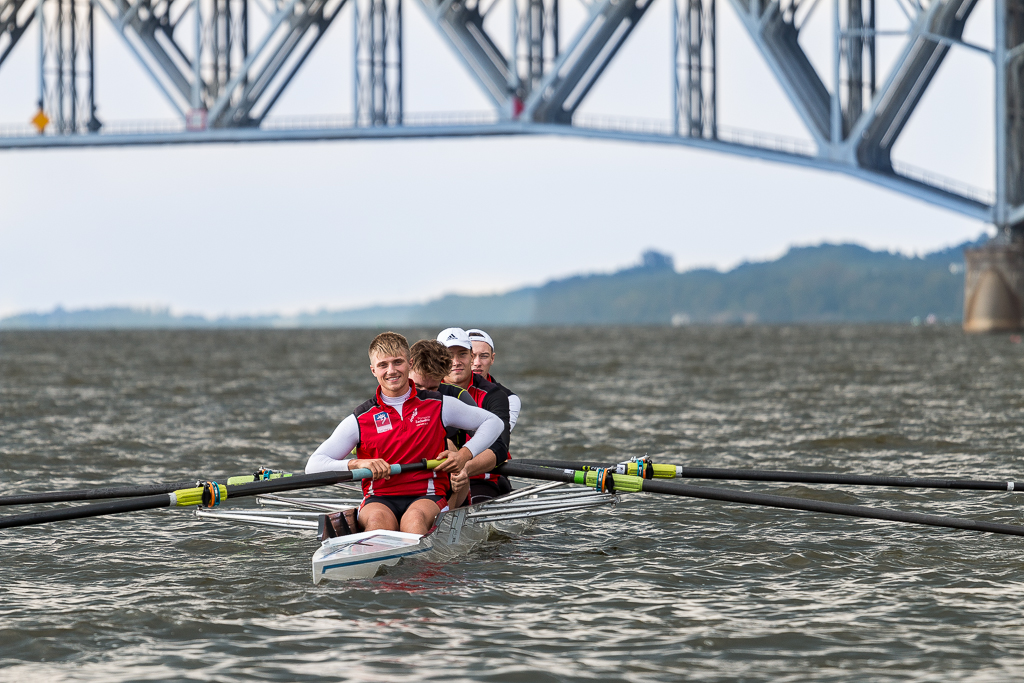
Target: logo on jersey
420, 421
383, 422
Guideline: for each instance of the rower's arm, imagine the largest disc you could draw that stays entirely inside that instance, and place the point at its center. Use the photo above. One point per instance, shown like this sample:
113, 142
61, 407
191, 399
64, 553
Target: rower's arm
485, 462
330, 456
488, 427
496, 402
514, 406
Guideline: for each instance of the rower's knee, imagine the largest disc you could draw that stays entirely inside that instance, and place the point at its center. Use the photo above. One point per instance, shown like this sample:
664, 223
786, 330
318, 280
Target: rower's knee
376, 516
419, 517
416, 523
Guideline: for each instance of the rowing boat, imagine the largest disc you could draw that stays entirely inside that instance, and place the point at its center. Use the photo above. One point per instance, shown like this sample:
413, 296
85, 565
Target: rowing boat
362, 555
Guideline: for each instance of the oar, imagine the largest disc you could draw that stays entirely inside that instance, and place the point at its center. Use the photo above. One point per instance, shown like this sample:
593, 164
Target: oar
128, 491
628, 483
677, 472
210, 494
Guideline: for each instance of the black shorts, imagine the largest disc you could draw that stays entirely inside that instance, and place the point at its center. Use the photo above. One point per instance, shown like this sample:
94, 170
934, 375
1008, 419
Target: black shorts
399, 504
485, 489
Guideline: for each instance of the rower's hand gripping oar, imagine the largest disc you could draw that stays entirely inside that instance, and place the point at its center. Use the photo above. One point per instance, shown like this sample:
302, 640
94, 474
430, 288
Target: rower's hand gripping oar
647, 470
209, 494
101, 493
607, 480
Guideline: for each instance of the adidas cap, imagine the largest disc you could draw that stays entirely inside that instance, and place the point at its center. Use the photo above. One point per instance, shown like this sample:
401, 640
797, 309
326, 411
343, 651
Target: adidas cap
480, 335
455, 336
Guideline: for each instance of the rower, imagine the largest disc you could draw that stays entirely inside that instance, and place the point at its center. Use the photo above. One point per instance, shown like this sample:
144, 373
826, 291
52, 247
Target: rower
483, 484
403, 424
429, 362
483, 358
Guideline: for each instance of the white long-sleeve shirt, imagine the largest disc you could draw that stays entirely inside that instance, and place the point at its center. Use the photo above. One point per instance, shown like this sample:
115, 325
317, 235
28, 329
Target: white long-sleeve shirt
332, 454
514, 406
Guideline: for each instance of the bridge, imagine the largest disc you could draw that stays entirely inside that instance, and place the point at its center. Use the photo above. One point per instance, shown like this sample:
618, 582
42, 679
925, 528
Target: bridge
222, 65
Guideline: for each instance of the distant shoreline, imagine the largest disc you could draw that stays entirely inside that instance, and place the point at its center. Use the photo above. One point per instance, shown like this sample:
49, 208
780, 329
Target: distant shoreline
399, 328
825, 284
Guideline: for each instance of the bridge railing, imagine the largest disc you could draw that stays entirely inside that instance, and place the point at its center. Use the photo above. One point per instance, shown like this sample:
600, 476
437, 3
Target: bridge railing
736, 136
650, 127
978, 194
423, 119
143, 127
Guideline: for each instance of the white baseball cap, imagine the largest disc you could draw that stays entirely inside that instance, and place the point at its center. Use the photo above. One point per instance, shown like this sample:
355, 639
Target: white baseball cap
455, 336
480, 335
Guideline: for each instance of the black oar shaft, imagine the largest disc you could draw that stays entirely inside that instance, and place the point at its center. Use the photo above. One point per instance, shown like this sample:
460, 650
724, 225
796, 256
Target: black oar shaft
94, 494
765, 500
91, 510
806, 477
255, 488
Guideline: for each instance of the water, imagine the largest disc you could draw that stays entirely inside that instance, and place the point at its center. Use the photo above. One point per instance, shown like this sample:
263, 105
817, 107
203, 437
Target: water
657, 589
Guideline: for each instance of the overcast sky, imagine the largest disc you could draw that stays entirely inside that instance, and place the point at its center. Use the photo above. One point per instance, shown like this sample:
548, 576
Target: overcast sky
291, 227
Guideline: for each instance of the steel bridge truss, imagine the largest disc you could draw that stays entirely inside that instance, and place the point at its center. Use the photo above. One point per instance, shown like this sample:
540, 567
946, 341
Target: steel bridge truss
222, 79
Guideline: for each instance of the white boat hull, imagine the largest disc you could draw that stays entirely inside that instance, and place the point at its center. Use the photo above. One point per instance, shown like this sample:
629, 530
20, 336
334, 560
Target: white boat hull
360, 556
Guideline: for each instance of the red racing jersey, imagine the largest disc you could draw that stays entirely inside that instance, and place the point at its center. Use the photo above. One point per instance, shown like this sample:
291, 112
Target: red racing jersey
417, 434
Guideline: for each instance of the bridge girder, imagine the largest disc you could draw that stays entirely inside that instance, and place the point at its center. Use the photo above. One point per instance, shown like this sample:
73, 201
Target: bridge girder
15, 17
537, 89
223, 84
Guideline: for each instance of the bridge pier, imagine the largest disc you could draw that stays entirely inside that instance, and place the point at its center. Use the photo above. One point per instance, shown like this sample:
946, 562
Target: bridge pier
994, 277
994, 287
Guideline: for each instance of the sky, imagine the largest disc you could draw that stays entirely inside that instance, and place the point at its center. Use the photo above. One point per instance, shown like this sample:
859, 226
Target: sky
274, 227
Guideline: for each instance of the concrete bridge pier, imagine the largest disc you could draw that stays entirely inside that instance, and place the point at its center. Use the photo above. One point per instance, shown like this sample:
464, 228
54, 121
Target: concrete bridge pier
994, 287
994, 278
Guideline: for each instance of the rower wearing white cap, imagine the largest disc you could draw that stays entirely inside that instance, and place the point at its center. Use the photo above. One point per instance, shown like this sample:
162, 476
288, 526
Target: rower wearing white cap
490, 397
483, 358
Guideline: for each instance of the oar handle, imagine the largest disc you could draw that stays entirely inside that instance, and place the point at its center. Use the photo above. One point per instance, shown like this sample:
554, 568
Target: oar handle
362, 473
305, 481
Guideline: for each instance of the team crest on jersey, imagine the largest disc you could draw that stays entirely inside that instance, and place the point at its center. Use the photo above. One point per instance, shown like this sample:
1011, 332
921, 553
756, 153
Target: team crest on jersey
418, 421
383, 422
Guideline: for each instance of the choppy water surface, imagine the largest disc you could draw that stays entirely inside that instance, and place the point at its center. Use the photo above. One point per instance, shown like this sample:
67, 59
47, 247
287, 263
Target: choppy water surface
657, 589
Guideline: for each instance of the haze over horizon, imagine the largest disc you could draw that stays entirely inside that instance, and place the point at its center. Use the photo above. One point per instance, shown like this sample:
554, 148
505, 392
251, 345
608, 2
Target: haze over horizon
852, 280
75, 302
